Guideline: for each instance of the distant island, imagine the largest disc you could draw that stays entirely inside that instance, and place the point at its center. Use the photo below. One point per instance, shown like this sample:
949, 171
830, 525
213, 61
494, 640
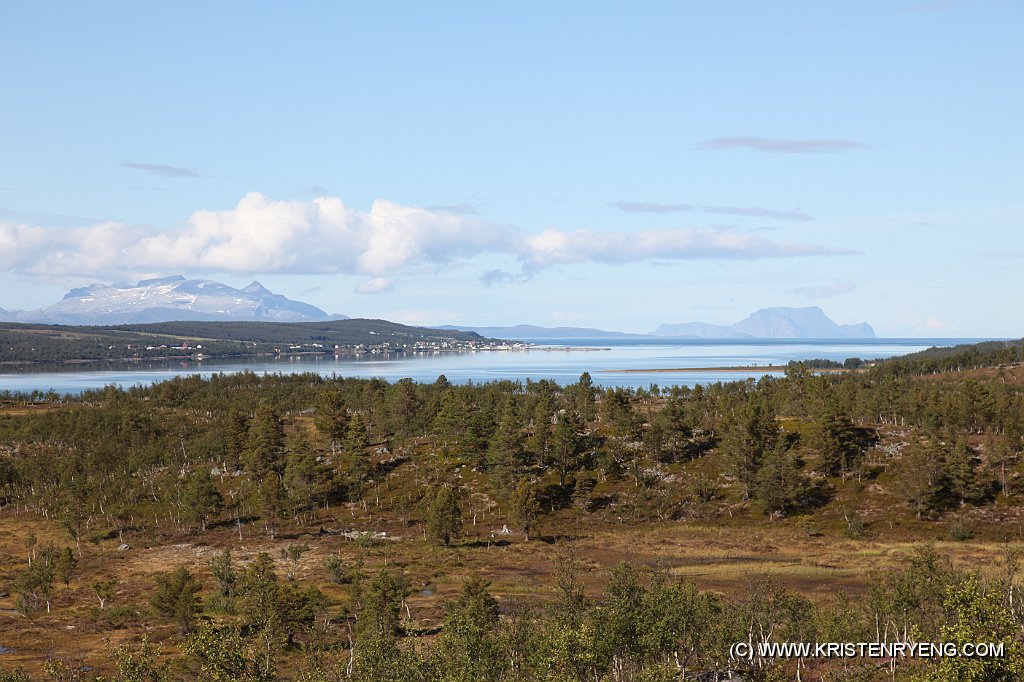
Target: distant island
766, 323
772, 323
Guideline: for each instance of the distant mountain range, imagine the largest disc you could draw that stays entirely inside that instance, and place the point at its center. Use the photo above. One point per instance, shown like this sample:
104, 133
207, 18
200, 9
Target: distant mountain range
767, 323
529, 331
169, 299
773, 323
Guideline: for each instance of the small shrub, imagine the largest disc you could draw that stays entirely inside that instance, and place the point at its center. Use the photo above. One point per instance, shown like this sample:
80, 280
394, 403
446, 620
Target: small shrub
116, 616
960, 531
856, 529
340, 572
368, 540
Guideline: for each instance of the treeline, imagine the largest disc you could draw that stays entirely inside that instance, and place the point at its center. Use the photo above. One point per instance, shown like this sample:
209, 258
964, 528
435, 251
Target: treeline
280, 445
820, 363
40, 343
931, 361
956, 358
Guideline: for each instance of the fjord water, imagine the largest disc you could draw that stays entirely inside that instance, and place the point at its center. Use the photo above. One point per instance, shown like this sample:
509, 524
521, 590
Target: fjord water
560, 360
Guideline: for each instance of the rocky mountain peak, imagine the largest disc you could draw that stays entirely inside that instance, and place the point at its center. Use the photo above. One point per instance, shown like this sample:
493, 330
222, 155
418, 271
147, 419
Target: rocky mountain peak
166, 299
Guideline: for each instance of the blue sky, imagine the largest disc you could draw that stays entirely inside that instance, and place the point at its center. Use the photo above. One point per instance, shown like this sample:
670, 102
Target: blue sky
616, 165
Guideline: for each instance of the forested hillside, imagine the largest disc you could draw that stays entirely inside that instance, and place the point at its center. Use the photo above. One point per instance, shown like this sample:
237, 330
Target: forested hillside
966, 356
298, 527
54, 343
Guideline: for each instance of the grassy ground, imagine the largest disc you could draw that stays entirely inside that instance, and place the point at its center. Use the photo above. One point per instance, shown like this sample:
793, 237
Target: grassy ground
721, 555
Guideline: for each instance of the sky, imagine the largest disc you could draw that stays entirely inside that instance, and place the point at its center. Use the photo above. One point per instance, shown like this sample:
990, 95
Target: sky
614, 165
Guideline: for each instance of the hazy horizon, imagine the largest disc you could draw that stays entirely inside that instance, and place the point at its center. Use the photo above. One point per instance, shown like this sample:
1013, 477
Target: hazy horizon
615, 167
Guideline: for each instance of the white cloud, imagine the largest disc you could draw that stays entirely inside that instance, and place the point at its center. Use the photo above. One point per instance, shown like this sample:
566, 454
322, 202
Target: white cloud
930, 323
98, 248
324, 235
553, 247
377, 285
18, 242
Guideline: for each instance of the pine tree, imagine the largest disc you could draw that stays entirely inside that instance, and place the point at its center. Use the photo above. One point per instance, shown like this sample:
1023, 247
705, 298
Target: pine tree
272, 499
265, 444
404, 408
356, 437
565, 449
780, 485
478, 432
238, 438
357, 464
445, 520
259, 590
924, 478
524, 507
65, 565
617, 412
751, 434
201, 500
961, 464
542, 412
505, 456
176, 597
223, 571
381, 600
583, 402
834, 439
332, 418
304, 479
1000, 454
452, 417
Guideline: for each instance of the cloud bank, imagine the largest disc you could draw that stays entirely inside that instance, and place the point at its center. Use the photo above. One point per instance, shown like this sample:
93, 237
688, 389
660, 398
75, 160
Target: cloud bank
751, 211
324, 236
781, 146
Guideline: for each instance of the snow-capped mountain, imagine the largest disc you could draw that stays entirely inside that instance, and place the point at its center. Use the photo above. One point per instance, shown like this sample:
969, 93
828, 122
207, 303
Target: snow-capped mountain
168, 299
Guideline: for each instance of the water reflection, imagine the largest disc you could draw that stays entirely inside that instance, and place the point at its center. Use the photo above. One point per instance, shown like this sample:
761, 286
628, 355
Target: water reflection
562, 363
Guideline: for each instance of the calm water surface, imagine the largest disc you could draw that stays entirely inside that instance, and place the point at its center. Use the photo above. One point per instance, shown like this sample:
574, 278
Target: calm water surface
563, 363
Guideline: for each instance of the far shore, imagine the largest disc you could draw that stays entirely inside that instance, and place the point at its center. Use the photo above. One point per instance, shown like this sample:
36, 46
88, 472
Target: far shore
751, 368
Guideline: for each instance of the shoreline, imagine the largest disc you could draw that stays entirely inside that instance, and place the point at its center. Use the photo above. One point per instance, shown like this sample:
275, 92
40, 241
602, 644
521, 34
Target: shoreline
753, 368
201, 358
